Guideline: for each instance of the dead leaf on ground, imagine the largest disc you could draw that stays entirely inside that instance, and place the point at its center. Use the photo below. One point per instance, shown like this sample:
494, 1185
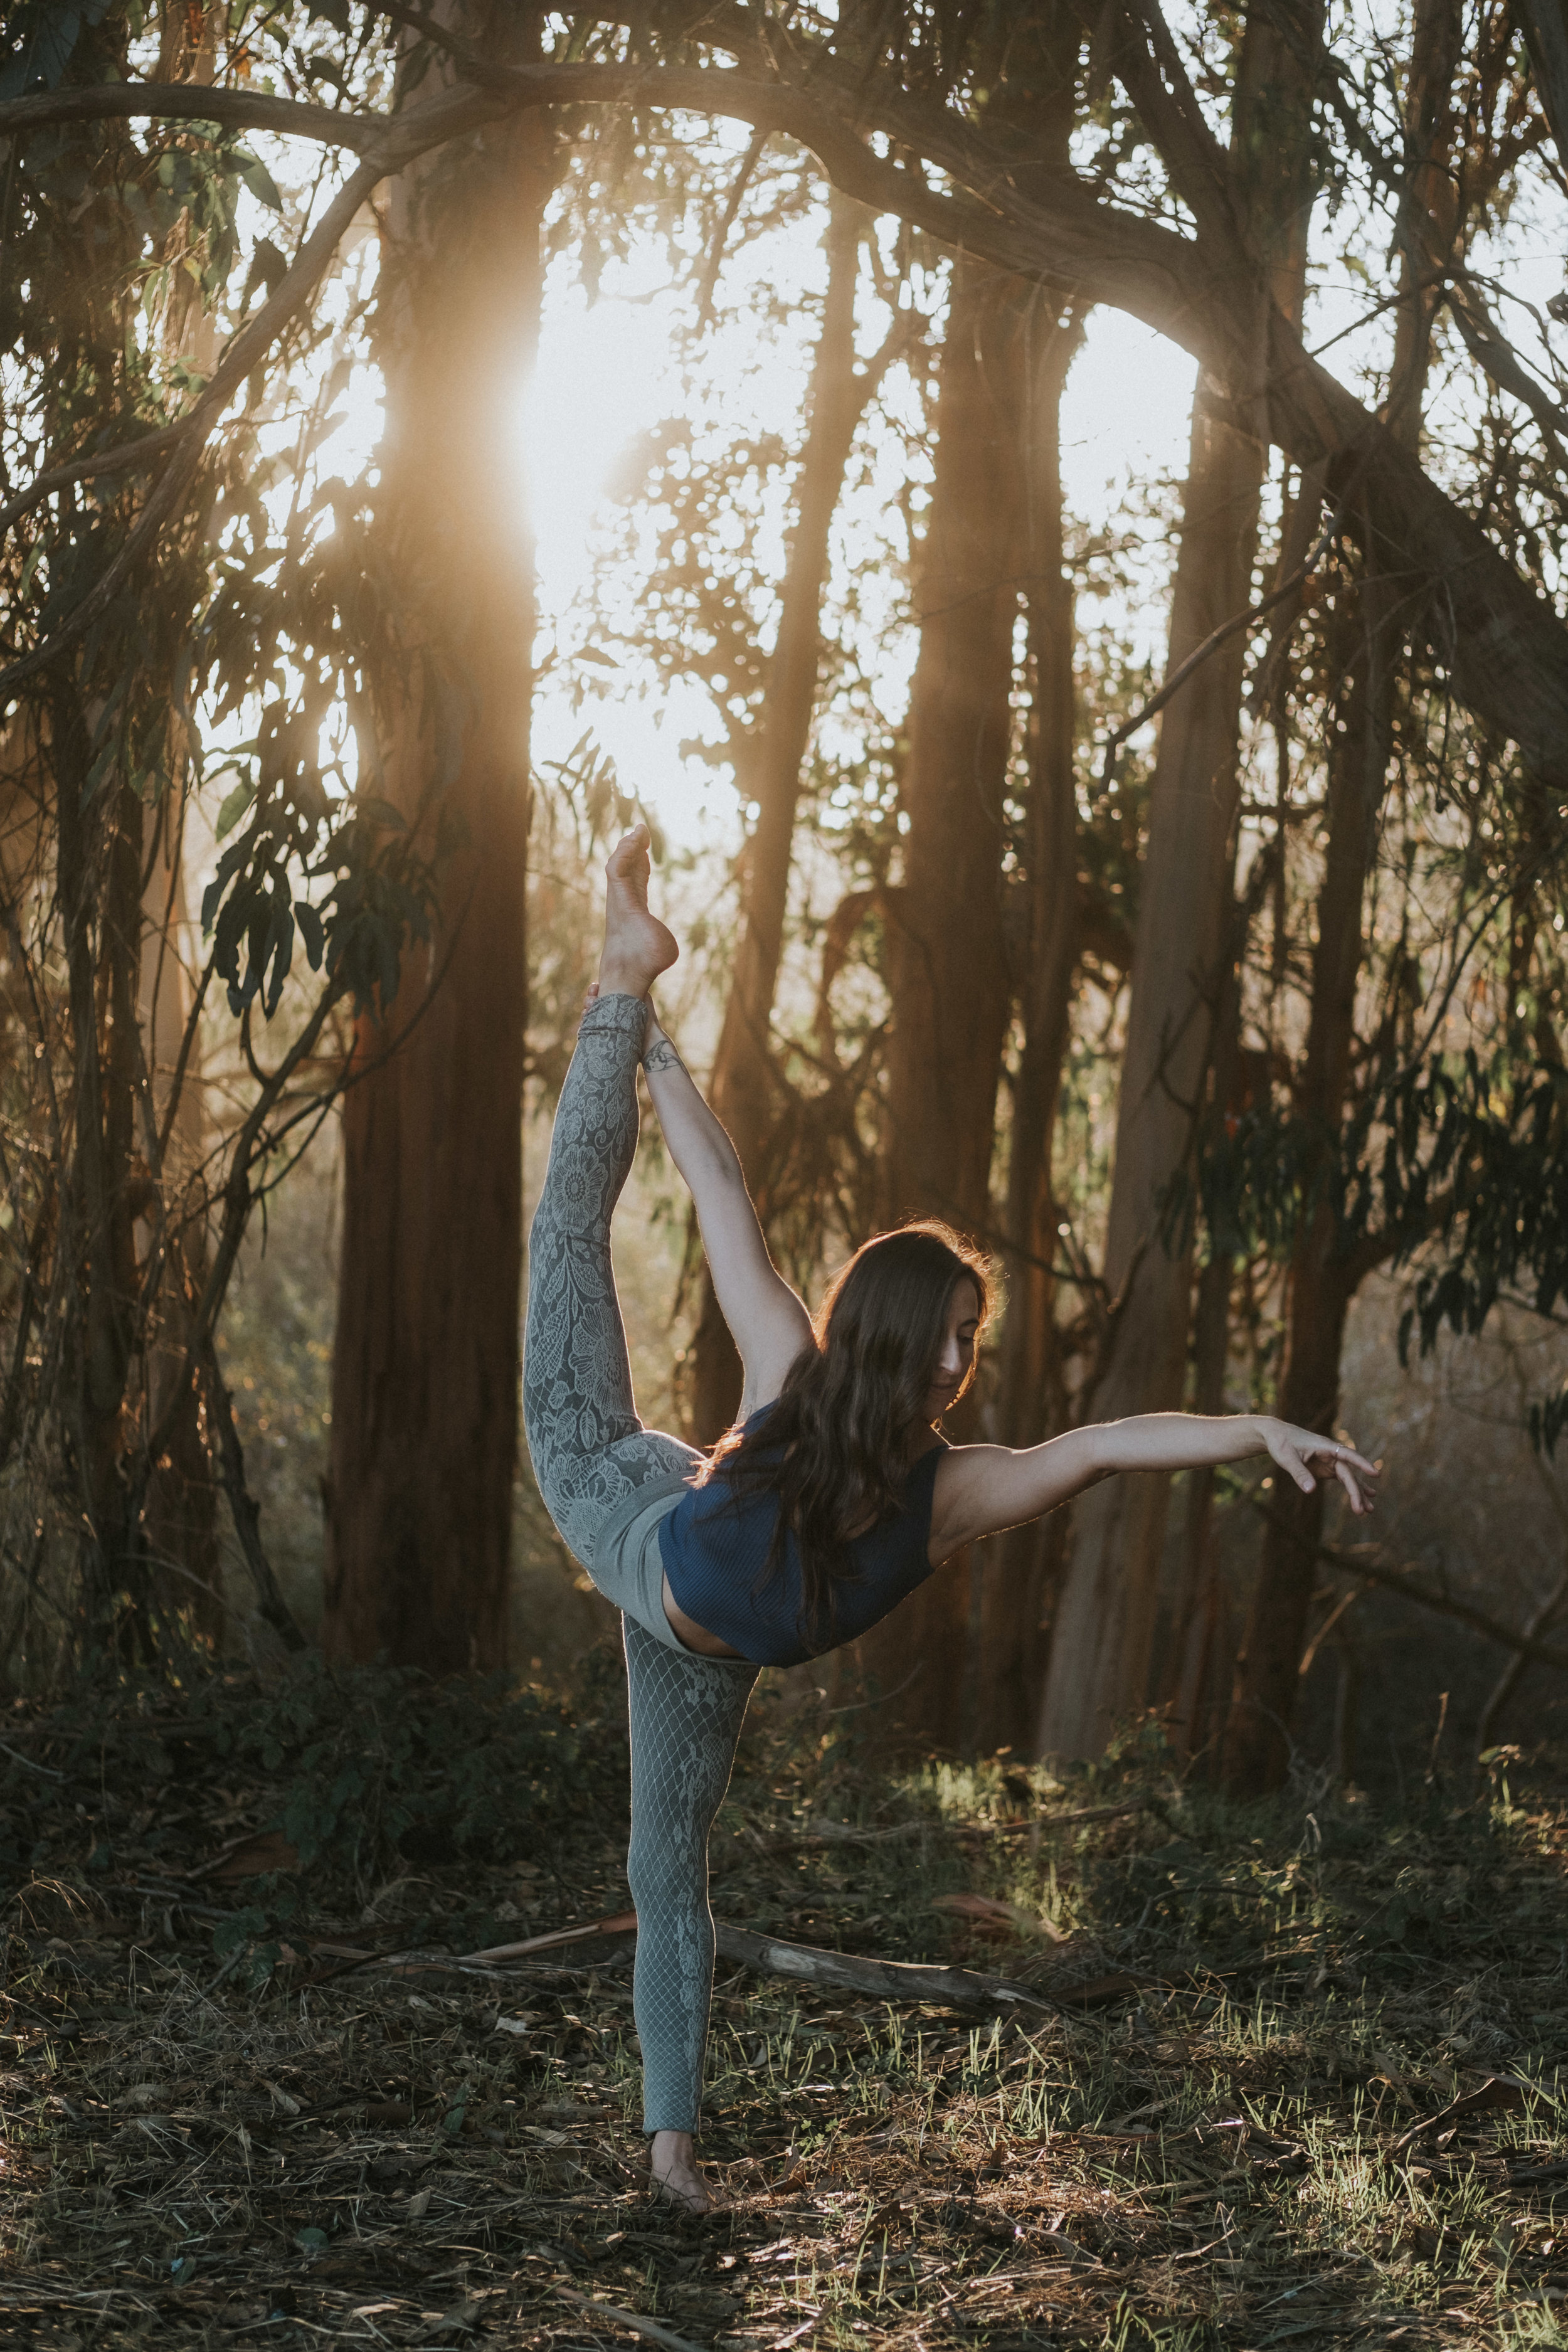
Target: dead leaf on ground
991, 1916
1499, 2091
251, 1857
1099, 1988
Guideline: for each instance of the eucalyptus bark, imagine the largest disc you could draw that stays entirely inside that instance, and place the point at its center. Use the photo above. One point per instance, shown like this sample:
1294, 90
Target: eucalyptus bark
742, 1088
425, 1371
1032, 1403
947, 968
180, 1515
1103, 1632
1101, 1645
97, 874
1324, 1273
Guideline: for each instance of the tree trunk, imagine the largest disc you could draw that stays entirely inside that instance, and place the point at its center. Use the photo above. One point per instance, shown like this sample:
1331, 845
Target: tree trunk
99, 876
1031, 1405
742, 1088
1322, 1279
179, 1517
1099, 1668
426, 1366
1102, 1639
948, 971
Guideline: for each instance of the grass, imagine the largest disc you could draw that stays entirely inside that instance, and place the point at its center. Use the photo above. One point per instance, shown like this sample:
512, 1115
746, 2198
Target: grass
211, 2138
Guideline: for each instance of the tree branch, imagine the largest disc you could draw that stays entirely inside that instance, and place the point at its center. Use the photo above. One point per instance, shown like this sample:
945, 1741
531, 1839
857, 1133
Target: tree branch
184, 102
243, 1507
1505, 648
1394, 1580
1217, 637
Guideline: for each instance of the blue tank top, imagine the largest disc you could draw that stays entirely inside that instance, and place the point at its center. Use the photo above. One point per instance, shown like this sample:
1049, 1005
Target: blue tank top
715, 1542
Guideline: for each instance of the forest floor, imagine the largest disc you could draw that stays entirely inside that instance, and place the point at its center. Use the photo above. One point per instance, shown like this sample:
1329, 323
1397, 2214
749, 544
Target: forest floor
1293, 2075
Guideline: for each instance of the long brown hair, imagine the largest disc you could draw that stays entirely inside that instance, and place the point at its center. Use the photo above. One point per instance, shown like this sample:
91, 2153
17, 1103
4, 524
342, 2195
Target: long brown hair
834, 1446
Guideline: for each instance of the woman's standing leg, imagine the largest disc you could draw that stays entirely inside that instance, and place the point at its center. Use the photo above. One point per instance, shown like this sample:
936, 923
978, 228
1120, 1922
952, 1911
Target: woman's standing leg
686, 1718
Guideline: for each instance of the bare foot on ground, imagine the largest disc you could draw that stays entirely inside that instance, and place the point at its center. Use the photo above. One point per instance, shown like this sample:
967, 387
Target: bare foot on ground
637, 947
672, 2172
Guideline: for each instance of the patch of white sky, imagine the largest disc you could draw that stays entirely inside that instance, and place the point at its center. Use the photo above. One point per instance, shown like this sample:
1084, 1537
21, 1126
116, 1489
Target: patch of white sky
612, 370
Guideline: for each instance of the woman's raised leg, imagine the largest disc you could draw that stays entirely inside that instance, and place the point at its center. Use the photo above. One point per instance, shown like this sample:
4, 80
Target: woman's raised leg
686, 1718
590, 1450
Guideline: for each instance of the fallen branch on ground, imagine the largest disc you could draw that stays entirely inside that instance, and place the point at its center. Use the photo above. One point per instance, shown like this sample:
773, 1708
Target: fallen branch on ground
771, 1956
889, 1980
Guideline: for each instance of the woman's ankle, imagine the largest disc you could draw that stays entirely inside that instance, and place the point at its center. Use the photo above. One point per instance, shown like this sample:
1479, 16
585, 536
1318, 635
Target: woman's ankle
606, 994
623, 980
673, 2167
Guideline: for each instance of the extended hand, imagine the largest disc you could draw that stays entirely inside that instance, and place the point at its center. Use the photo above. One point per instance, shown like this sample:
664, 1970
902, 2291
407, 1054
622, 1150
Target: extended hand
1301, 1454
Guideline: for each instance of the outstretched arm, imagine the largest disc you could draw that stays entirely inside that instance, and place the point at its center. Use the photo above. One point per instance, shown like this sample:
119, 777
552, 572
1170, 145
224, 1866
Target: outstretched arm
768, 1321
980, 1489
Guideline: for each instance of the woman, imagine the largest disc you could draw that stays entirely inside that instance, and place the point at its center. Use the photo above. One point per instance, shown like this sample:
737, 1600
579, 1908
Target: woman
832, 1498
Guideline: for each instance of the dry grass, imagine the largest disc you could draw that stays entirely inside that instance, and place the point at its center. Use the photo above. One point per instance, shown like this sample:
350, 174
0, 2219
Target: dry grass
1220, 2155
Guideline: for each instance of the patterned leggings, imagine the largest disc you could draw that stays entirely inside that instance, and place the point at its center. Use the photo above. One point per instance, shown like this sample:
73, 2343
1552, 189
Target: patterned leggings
592, 1456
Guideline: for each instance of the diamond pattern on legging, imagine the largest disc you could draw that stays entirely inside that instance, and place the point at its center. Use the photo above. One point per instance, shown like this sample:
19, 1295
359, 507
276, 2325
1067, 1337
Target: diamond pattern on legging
685, 1716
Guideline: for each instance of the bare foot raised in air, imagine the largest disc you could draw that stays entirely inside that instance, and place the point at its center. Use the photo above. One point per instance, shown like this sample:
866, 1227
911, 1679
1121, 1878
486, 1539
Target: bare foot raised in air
638, 948
672, 2172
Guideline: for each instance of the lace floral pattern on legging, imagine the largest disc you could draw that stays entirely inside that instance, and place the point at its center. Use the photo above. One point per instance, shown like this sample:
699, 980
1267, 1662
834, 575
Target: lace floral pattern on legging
685, 1716
590, 1451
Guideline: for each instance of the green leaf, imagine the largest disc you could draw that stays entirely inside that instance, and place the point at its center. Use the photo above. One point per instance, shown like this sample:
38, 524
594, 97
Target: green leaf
235, 805
311, 931
311, 2242
259, 180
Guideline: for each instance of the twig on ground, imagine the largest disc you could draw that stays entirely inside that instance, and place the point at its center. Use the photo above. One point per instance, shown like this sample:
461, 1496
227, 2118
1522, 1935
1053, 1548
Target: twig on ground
634, 2320
17, 1757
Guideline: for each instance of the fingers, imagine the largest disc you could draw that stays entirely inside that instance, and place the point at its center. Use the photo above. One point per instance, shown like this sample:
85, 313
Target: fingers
1362, 1490
1300, 1451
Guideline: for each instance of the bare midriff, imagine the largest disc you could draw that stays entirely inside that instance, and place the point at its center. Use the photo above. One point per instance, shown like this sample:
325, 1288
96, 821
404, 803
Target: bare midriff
695, 1637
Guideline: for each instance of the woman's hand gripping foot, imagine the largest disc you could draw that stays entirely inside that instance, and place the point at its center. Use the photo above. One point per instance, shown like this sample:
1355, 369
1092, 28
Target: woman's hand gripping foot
672, 2172
637, 947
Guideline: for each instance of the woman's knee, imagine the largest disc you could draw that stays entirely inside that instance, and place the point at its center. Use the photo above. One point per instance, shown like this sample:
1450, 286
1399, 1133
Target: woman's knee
667, 1873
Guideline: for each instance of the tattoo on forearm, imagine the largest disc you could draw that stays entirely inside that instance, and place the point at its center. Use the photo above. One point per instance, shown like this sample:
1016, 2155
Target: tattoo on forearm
662, 1055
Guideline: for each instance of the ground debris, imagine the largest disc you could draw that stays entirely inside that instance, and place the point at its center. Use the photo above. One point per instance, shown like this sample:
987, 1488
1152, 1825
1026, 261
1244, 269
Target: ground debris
1263, 2121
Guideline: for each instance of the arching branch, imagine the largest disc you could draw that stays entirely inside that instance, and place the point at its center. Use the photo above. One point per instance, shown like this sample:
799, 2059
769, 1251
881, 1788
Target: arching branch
1505, 648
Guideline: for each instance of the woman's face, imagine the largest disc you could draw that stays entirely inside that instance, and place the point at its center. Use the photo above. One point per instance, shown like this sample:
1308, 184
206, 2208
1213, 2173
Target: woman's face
952, 1365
